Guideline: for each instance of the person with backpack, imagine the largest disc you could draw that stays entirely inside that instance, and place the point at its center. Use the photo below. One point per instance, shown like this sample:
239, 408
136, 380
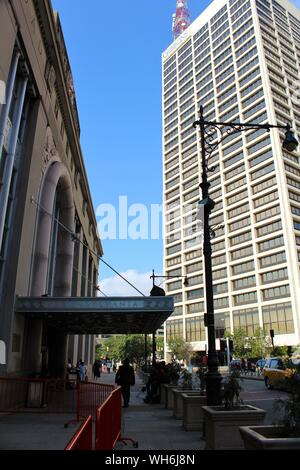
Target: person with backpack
125, 378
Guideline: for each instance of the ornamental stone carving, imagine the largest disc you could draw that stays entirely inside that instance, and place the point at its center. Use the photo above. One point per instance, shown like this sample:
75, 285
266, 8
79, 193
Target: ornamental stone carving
50, 151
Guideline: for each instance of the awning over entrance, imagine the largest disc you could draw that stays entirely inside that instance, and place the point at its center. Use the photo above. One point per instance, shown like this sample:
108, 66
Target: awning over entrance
95, 315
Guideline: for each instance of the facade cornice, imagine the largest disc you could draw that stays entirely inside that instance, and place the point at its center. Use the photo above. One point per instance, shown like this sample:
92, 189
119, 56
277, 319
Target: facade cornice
56, 51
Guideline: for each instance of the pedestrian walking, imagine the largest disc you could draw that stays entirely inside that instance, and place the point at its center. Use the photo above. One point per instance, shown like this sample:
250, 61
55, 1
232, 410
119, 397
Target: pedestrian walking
96, 370
125, 378
82, 372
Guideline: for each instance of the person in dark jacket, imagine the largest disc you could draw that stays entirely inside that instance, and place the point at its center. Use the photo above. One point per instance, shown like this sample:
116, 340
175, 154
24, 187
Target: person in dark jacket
125, 378
96, 370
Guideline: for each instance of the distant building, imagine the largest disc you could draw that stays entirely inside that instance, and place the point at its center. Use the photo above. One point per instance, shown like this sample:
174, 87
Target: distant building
43, 189
240, 59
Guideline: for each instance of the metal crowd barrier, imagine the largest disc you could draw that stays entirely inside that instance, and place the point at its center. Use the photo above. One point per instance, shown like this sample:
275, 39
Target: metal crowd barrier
90, 396
108, 423
83, 438
19, 395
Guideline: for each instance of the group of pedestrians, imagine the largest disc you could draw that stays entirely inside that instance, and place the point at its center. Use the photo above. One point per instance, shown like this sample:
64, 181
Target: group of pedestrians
80, 370
125, 378
159, 375
247, 366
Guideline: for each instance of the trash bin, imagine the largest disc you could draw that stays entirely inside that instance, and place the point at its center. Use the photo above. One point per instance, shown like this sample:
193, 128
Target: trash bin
35, 395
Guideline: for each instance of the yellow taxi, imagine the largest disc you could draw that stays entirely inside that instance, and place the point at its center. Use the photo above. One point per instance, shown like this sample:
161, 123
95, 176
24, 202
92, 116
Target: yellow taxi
277, 369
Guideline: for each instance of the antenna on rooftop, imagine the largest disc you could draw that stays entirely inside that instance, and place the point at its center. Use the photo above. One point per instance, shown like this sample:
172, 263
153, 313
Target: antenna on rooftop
182, 19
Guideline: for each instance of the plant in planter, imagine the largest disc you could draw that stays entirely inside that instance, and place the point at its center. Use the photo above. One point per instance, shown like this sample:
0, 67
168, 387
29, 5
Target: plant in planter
186, 386
285, 433
231, 391
222, 422
186, 380
290, 409
201, 375
173, 372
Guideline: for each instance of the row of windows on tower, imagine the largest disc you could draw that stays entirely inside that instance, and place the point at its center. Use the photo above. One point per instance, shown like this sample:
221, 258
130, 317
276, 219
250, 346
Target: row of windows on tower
277, 317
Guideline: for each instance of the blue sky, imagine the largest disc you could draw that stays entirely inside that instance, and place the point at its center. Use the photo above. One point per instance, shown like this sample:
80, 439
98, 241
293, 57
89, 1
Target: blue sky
115, 53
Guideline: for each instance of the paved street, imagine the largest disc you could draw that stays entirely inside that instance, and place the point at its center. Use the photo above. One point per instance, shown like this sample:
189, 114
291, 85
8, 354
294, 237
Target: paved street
255, 393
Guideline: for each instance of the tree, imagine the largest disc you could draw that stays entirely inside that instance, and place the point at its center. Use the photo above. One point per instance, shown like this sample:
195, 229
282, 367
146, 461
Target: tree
111, 348
279, 351
180, 349
260, 343
119, 347
134, 348
245, 346
240, 343
160, 346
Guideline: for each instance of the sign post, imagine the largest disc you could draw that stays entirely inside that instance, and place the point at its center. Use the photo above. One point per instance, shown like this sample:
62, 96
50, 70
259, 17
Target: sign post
272, 338
228, 353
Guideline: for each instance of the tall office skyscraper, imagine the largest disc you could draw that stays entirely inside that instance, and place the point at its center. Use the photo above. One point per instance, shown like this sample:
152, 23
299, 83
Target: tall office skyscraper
240, 59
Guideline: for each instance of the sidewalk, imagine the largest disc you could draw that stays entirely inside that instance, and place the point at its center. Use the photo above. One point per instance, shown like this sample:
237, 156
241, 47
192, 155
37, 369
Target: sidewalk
35, 431
151, 425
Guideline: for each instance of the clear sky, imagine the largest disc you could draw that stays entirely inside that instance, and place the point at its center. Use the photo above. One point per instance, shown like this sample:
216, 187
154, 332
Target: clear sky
115, 52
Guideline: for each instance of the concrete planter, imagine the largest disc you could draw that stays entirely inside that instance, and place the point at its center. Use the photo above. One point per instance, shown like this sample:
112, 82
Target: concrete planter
192, 411
222, 426
267, 438
169, 396
163, 393
178, 400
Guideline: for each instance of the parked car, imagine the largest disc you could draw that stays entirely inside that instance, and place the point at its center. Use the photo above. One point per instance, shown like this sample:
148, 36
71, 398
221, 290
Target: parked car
260, 364
276, 370
235, 364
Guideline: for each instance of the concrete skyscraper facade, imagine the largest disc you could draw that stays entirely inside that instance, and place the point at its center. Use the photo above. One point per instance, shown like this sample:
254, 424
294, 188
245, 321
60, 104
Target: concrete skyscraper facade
240, 59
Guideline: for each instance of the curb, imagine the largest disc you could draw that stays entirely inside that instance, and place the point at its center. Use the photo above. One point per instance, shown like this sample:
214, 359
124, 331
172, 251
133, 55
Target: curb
260, 379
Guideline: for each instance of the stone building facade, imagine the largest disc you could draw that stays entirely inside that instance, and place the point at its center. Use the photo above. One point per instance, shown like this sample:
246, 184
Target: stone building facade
49, 244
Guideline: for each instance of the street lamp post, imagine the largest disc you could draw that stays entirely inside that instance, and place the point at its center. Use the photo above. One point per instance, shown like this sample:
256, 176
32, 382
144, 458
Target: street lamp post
156, 290
154, 276
213, 377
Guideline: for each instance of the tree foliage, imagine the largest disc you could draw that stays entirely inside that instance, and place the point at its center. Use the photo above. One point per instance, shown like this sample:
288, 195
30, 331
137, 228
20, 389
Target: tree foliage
134, 348
160, 347
240, 343
180, 349
118, 347
111, 348
245, 346
260, 343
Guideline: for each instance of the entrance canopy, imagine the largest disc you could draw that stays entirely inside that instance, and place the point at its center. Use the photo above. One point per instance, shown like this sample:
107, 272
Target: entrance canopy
98, 315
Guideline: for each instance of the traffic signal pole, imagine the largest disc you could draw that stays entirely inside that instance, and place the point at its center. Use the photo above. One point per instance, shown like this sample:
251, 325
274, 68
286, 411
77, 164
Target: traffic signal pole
228, 354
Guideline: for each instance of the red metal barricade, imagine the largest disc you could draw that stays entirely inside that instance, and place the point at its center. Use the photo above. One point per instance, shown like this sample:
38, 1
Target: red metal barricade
83, 438
38, 395
108, 423
52, 396
90, 396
